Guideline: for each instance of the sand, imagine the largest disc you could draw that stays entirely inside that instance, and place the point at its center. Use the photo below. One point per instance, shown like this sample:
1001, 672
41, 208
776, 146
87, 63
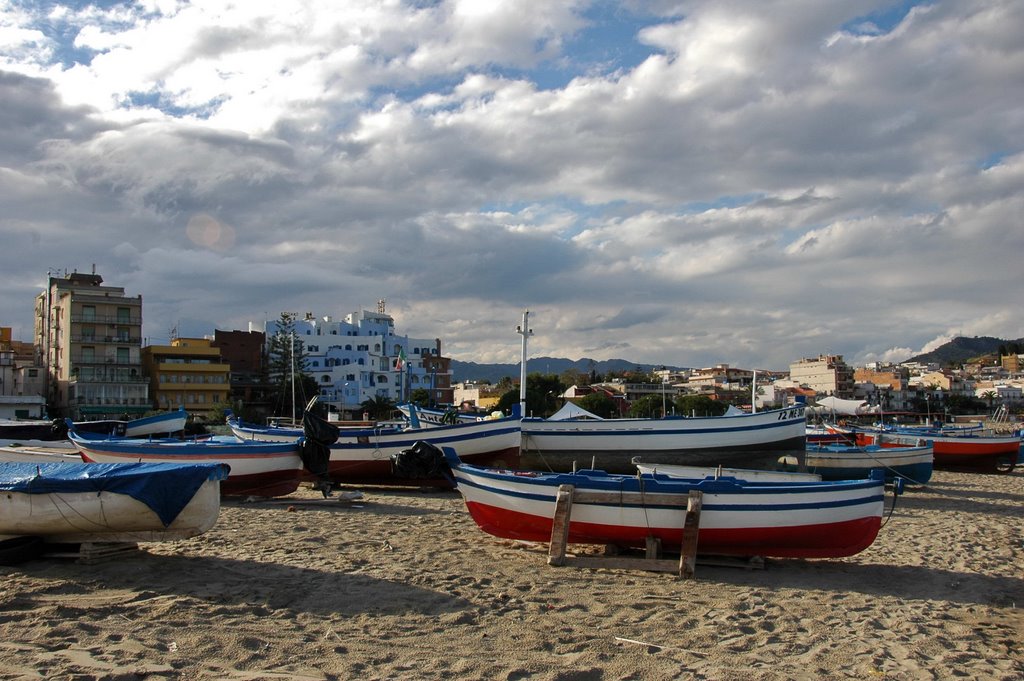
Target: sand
402, 585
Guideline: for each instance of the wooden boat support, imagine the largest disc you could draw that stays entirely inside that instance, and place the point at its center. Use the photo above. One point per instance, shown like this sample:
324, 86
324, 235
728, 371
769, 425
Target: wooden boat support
567, 495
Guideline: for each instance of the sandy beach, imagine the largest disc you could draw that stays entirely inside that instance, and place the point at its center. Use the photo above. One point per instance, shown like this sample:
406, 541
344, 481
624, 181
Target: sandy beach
402, 585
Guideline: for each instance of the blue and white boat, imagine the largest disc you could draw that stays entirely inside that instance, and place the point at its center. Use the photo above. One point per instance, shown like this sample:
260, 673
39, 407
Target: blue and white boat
164, 422
266, 469
363, 455
849, 462
125, 502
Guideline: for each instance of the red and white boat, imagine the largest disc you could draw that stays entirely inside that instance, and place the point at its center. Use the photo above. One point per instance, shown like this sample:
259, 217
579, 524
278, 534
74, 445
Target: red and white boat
805, 519
963, 448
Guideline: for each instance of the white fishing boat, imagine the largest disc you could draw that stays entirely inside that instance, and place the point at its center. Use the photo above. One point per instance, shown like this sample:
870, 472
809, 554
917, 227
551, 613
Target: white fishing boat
737, 439
128, 502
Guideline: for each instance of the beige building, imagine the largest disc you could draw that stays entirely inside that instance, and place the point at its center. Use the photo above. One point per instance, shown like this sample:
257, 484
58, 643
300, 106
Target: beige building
89, 337
891, 377
188, 373
825, 375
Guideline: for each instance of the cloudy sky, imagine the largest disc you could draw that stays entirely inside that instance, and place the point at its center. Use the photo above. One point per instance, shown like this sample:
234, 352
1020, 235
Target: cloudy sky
686, 182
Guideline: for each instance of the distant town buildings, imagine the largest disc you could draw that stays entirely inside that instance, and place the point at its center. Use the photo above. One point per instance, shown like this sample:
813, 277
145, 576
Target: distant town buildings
87, 361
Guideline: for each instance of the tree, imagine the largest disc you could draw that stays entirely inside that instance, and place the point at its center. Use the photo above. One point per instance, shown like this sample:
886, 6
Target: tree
599, 404
420, 397
543, 392
505, 383
378, 407
542, 395
574, 377
647, 407
287, 362
699, 405
991, 396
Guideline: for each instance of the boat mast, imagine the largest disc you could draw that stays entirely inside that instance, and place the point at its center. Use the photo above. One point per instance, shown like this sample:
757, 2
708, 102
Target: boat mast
292, 337
753, 392
525, 331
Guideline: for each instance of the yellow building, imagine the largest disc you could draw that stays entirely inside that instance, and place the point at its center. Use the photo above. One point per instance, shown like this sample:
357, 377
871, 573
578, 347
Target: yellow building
187, 373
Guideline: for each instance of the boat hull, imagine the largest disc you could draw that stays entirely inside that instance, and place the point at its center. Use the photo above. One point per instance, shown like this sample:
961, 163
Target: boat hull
269, 469
164, 422
796, 520
752, 441
959, 452
363, 456
74, 515
839, 462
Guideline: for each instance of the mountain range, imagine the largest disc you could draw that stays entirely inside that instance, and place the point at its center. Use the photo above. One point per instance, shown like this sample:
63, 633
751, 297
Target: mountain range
956, 351
492, 373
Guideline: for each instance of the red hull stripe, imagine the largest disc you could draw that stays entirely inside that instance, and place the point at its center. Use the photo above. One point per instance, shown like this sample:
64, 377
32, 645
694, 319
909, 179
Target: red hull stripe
829, 540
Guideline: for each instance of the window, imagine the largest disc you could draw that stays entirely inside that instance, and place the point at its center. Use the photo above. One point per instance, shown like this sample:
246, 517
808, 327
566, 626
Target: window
89, 313
123, 356
124, 315
325, 378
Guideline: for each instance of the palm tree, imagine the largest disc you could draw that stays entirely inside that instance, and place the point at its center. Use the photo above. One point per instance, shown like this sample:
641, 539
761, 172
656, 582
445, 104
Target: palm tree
378, 407
991, 396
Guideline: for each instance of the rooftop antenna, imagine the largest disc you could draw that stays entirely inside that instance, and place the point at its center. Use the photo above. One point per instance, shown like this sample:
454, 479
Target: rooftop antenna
525, 331
381, 306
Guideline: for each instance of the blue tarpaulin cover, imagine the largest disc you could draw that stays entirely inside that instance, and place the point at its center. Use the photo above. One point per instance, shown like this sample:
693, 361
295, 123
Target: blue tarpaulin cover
164, 487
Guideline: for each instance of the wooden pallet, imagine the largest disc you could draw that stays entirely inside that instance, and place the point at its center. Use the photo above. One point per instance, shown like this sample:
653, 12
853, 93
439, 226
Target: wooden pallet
90, 553
685, 567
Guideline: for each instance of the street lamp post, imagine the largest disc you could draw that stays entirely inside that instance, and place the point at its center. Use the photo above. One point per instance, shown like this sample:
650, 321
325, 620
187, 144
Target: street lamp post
525, 331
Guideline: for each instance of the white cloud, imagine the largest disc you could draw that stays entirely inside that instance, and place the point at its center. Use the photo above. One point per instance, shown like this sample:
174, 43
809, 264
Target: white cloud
767, 181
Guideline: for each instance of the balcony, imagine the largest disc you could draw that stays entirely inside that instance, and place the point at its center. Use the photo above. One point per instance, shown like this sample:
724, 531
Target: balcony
110, 377
106, 319
121, 340
79, 359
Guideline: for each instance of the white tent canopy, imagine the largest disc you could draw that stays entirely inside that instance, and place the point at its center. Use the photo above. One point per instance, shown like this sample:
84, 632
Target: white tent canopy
572, 411
835, 405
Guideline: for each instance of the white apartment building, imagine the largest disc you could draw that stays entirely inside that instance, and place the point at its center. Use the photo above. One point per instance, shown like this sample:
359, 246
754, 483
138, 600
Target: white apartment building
354, 360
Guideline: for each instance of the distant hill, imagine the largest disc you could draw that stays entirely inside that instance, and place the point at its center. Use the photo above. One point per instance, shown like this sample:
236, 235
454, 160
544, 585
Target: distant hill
956, 351
492, 373
961, 350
